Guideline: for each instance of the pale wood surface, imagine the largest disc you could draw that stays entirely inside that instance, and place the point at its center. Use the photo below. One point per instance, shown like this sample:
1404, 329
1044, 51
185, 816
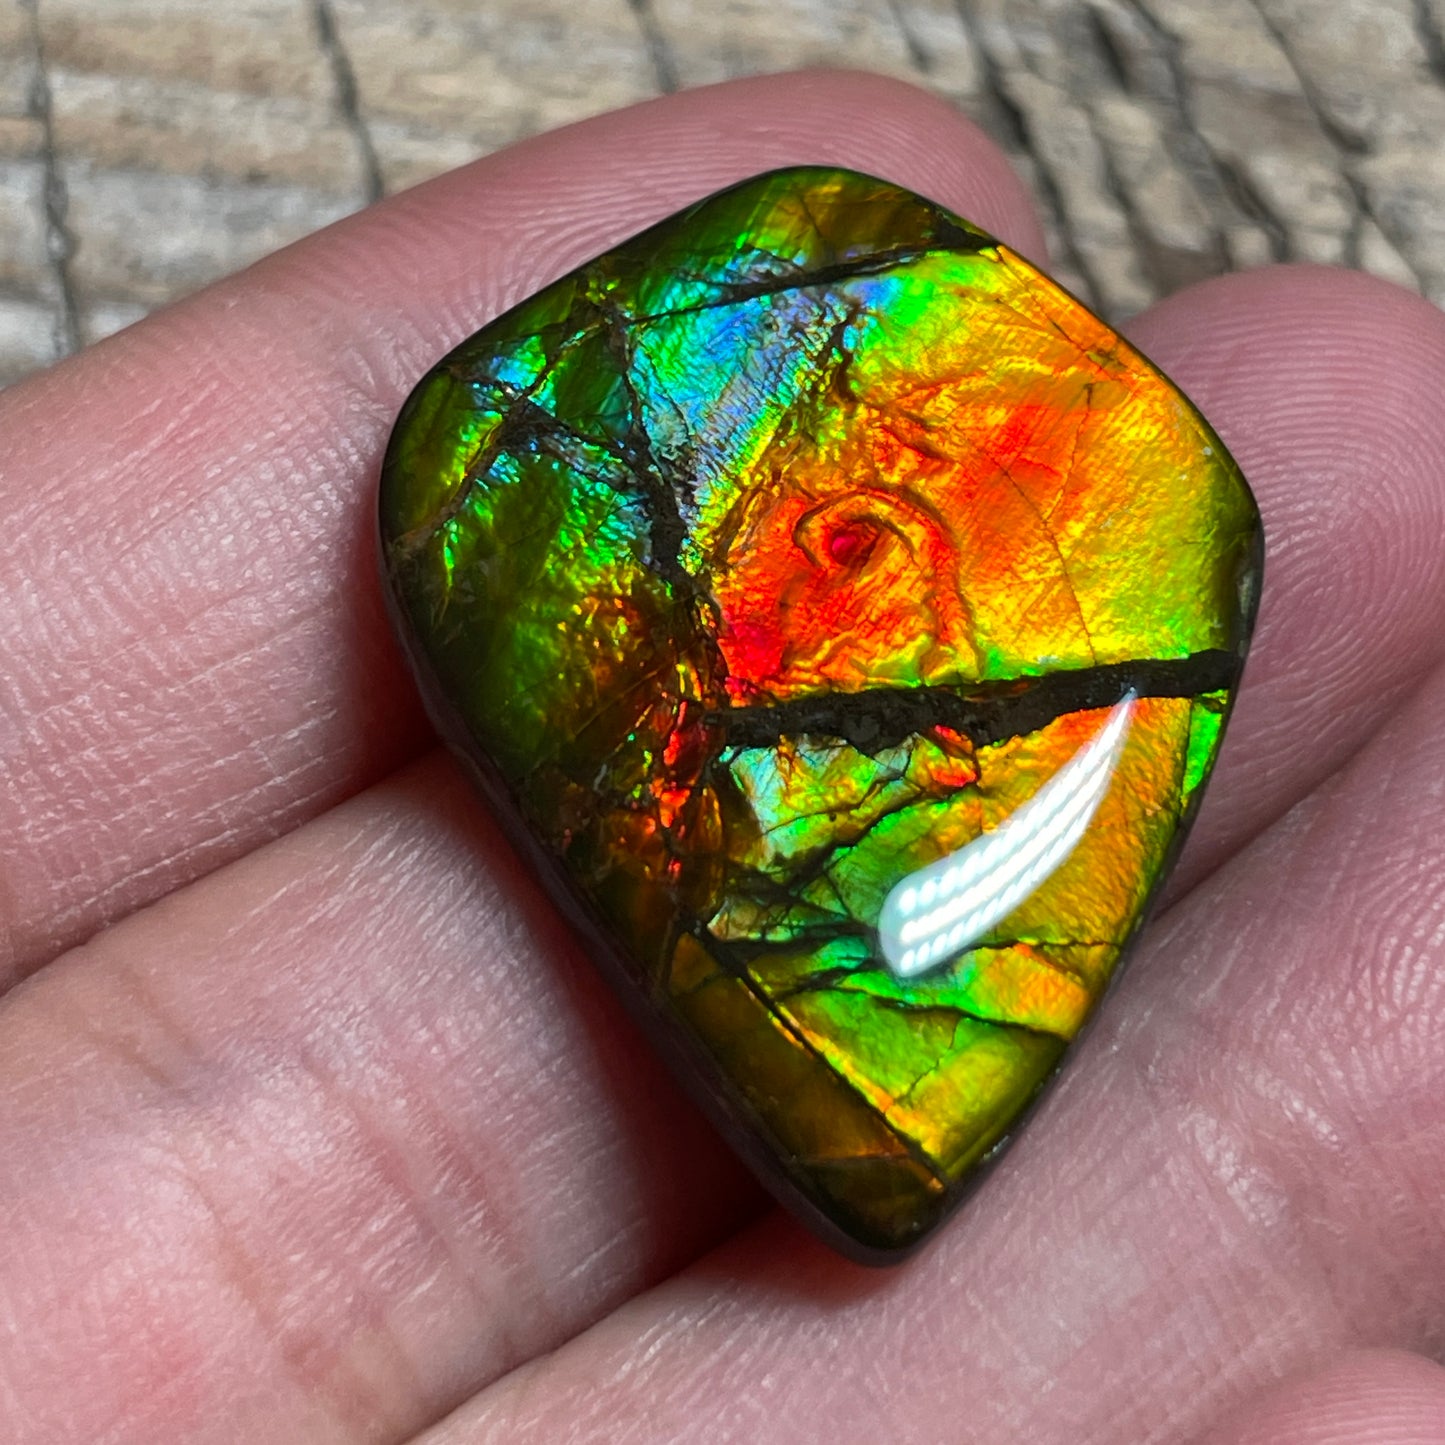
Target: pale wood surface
148, 146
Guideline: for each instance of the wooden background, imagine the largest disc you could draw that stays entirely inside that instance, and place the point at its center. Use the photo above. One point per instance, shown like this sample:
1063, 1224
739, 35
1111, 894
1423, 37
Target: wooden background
147, 146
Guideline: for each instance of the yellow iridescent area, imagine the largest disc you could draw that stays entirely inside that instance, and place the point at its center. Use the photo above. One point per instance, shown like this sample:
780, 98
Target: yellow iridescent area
847, 620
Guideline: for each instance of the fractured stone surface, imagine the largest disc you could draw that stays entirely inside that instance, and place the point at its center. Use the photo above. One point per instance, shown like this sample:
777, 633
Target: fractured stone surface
845, 619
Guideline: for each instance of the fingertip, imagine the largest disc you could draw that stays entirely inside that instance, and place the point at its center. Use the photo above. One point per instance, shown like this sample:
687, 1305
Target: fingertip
1210, 329
1369, 1397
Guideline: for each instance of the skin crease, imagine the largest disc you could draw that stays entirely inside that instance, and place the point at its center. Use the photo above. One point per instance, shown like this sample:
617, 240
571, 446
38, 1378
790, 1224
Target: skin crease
345, 1136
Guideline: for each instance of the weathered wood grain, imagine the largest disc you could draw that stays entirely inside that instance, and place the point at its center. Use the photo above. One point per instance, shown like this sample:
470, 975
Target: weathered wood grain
148, 146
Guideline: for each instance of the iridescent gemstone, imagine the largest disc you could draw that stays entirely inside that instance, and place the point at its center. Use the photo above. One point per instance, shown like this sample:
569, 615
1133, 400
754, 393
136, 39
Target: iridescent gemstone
845, 620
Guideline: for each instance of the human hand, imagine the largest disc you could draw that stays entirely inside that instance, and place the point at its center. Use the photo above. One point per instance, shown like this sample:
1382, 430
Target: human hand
336, 1134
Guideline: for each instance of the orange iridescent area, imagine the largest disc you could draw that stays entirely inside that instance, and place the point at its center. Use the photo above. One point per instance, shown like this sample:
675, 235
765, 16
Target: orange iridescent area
847, 619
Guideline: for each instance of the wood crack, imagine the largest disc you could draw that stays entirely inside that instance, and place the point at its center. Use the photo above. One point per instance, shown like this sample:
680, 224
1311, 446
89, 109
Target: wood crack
60, 241
880, 718
348, 100
659, 52
1194, 150
1431, 40
1051, 193
1346, 146
918, 57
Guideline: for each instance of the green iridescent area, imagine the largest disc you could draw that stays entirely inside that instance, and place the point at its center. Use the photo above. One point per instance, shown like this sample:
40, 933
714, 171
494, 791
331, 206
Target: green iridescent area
846, 620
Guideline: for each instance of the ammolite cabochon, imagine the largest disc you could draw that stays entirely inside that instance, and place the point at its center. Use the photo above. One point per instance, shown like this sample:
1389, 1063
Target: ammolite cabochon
844, 620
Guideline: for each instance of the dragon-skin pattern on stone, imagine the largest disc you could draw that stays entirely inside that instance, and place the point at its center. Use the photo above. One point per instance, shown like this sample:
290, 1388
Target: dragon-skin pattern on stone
769, 561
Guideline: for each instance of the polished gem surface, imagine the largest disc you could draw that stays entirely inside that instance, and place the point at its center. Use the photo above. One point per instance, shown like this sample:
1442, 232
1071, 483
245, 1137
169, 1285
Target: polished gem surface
845, 621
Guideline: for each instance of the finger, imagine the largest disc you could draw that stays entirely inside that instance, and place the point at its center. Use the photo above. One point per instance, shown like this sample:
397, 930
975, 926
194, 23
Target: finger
379, 950
305, 1127
193, 651
317, 1145
1366, 1398
1242, 1170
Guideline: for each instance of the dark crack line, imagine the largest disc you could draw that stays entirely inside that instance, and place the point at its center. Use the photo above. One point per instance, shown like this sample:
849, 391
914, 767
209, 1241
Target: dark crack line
1246, 199
1007, 112
1194, 151
956, 242
660, 487
830, 984
348, 99
1051, 192
1431, 40
517, 425
1343, 142
1114, 67
60, 241
874, 794
1145, 250
1005, 471
523, 427
820, 982
918, 57
924, 1006
881, 718
659, 52
911, 1147
819, 934
1108, 50
962, 1015
1347, 148
816, 865
1114, 187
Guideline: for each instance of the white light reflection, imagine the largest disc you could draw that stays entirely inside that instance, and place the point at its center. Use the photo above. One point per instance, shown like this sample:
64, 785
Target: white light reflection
942, 909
